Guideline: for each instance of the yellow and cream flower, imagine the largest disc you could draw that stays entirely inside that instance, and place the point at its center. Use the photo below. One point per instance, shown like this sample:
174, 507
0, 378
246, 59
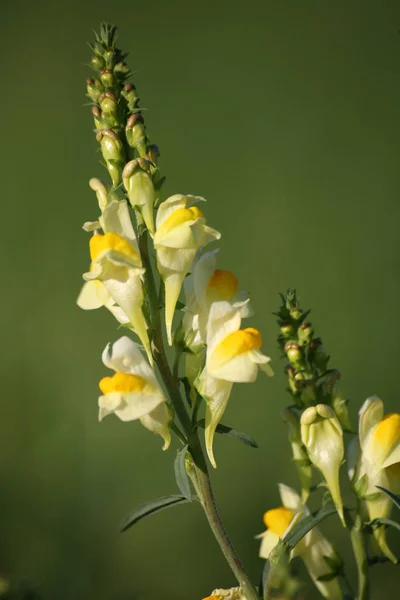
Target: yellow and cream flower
204, 286
94, 295
379, 436
233, 355
322, 436
133, 391
312, 549
117, 264
180, 231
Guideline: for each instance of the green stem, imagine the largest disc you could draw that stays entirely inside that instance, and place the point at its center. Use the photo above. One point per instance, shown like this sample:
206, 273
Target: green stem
198, 472
360, 555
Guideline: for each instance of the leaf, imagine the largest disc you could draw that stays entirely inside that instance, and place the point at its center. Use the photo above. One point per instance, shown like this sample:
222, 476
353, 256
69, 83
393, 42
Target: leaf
237, 435
305, 525
181, 475
151, 508
382, 521
395, 499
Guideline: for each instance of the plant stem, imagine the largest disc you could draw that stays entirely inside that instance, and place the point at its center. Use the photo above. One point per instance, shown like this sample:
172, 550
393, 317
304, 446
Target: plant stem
360, 555
198, 472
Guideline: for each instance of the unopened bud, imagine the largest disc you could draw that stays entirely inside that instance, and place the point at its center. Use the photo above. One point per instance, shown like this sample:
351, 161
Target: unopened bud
113, 153
107, 78
94, 88
129, 93
294, 354
140, 189
109, 57
108, 102
97, 62
152, 153
101, 192
96, 112
322, 435
136, 133
121, 67
296, 313
287, 330
305, 333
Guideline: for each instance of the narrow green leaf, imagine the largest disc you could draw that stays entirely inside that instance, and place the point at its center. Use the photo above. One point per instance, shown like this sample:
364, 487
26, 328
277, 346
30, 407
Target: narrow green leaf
151, 508
237, 435
395, 499
306, 524
381, 521
181, 475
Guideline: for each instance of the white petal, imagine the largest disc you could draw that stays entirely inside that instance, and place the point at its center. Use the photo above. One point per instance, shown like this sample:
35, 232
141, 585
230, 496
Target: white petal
116, 219
108, 404
157, 421
91, 225
92, 295
167, 207
203, 270
173, 284
371, 413
170, 259
393, 458
240, 369
135, 405
290, 498
268, 542
124, 356
223, 320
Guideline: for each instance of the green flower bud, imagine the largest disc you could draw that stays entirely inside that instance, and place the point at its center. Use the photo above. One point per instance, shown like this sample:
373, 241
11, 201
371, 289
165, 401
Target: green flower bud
109, 57
108, 102
294, 354
296, 313
96, 112
152, 153
305, 333
94, 88
107, 78
322, 436
136, 133
97, 62
317, 355
121, 67
129, 93
287, 330
140, 189
113, 153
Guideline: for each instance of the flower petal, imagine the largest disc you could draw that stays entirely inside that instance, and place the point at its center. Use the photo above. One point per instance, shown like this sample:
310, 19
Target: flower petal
93, 295
158, 421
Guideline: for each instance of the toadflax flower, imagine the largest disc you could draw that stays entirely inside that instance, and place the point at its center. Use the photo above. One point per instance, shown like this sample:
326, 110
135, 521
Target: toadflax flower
133, 391
322, 435
180, 231
233, 355
314, 549
380, 462
116, 262
204, 286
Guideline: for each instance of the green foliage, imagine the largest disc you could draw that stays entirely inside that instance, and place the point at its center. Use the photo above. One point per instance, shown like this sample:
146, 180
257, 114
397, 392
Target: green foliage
233, 433
151, 508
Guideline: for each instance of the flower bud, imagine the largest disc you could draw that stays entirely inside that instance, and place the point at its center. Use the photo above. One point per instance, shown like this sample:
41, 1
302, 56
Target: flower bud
113, 153
317, 354
129, 93
96, 112
322, 435
97, 62
136, 133
305, 333
107, 78
108, 102
287, 330
294, 354
102, 192
140, 189
109, 57
94, 88
121, 67
152, 153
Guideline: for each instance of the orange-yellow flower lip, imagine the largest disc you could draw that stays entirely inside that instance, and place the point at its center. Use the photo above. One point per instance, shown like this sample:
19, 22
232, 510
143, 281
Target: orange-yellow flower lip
122, 382
278, 520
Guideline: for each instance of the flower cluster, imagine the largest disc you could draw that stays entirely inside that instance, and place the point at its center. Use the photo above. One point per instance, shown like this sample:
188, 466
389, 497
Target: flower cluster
122, 272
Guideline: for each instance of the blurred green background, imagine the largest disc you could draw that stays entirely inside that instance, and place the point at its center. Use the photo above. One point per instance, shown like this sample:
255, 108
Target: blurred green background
285, 116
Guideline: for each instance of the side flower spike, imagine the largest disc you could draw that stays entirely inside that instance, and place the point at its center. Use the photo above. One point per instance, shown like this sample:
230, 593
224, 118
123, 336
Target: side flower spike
204, 286
322, 435
180, 231
133, 391
233, 355
117, 264
380, 462
314, 549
